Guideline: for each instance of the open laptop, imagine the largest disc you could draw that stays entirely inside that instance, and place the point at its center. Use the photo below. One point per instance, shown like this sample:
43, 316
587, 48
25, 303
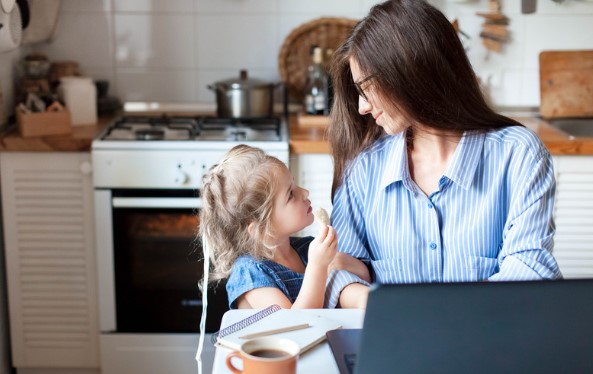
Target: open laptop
497, 327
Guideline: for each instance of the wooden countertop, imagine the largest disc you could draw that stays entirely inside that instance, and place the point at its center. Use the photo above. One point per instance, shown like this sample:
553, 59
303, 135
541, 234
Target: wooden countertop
313, 138
78, 141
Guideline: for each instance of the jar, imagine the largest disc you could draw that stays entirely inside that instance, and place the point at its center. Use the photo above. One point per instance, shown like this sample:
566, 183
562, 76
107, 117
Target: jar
80, 97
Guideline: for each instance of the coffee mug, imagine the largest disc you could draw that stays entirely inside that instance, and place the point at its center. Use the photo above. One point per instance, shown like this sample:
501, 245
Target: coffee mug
269, 355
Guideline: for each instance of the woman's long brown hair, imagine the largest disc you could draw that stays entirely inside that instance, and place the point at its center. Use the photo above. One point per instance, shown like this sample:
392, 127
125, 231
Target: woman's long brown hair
418, 65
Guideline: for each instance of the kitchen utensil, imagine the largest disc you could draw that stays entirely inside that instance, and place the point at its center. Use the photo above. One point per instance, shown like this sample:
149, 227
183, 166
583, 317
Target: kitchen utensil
566, 78
11, 32
244, 97
43, 20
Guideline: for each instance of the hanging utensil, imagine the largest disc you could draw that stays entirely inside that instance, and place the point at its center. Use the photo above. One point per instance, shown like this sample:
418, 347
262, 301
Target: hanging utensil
11, 31
528, 6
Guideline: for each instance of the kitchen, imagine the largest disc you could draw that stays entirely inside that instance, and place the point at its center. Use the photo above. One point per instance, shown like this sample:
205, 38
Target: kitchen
152, 51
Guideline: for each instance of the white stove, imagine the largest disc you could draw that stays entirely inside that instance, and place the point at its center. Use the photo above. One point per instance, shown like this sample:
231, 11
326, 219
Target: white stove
174, 152
147, 173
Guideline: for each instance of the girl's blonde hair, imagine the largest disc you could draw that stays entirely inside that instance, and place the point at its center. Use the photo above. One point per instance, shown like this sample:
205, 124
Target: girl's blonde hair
236, 193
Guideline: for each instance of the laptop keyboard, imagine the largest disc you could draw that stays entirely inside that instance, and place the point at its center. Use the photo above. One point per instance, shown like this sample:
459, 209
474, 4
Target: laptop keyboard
350, 359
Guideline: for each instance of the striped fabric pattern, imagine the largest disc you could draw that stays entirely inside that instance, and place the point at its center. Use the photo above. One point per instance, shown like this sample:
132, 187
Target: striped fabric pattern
490, 219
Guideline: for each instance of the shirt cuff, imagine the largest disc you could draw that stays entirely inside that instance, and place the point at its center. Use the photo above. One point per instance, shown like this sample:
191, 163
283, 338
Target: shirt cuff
336, 282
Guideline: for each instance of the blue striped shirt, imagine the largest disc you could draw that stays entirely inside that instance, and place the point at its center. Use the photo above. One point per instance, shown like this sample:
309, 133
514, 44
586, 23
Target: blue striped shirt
489, 219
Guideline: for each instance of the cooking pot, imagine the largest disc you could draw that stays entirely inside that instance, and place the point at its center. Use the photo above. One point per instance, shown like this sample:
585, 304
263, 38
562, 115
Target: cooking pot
244, 97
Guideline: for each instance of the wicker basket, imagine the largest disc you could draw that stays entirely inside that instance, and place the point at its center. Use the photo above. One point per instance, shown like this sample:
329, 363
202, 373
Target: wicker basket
295, 53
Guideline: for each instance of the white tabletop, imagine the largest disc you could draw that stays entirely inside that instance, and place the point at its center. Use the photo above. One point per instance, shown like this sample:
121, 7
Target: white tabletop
316, 360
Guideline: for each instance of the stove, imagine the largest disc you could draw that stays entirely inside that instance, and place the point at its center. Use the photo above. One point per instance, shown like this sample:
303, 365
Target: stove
147, 173
175, 151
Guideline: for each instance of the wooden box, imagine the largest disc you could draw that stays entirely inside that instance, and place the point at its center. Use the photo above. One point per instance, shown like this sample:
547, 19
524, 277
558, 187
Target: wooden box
44, 123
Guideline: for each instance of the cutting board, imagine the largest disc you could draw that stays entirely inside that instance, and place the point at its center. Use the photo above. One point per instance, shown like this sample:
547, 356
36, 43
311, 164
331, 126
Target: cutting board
566, 84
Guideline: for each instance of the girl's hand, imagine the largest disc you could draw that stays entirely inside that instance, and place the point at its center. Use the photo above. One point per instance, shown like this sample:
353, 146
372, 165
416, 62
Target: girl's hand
323, 248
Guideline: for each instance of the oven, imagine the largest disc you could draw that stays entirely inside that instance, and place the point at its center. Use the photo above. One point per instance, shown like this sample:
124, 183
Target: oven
147, 175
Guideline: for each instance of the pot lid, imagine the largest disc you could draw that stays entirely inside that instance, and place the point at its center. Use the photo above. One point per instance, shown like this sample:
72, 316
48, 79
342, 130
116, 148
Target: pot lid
242, 82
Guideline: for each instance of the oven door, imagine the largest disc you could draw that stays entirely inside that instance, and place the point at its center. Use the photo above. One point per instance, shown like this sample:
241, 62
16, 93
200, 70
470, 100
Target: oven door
150, 263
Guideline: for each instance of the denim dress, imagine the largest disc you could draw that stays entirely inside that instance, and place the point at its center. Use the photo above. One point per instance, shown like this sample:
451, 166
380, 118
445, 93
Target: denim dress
248, 274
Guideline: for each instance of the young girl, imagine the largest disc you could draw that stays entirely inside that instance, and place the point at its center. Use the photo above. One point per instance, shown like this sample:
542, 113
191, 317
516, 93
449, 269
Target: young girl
251, 209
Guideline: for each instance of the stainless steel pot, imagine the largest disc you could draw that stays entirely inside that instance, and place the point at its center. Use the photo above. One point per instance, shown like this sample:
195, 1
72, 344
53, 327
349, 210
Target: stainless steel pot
244, 97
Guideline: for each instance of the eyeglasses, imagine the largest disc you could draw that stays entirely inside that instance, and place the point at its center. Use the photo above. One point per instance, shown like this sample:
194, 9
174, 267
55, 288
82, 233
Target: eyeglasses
358, 86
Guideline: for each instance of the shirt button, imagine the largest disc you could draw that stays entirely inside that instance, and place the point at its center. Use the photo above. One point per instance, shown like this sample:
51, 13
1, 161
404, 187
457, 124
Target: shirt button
429, 206
442, 180
433, 245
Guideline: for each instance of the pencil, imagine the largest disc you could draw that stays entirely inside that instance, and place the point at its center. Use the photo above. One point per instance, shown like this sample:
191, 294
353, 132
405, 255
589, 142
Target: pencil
275, 331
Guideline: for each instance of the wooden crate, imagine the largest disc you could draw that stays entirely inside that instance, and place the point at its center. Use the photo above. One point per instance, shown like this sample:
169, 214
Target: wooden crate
45, 123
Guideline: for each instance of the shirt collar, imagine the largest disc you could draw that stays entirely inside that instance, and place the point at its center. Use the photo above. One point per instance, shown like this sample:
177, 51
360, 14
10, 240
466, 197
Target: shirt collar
466, 158
396, 168
461, 171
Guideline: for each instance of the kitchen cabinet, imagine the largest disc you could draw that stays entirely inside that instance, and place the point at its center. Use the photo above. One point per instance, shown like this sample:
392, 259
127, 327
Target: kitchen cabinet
314, 172
573, 213
48, 219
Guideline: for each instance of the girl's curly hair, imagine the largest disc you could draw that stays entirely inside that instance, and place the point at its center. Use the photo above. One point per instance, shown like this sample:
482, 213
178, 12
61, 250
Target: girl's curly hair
238, 192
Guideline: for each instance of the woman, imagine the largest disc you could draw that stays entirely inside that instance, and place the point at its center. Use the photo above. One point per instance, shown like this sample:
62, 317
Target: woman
430, 184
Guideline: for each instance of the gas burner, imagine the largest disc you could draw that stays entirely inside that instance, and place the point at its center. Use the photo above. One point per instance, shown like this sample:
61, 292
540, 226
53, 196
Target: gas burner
237, 135
201, 128
150, 134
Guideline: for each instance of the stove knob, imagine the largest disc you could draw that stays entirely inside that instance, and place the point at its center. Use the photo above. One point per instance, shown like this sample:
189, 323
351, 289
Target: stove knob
181, 177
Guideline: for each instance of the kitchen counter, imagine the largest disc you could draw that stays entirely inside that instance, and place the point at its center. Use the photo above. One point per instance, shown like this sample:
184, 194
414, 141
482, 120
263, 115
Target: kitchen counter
313, 139
78, 141
303, 139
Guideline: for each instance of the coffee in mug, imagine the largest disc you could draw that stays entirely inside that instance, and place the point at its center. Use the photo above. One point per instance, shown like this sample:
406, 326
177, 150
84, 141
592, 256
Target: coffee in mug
267, 355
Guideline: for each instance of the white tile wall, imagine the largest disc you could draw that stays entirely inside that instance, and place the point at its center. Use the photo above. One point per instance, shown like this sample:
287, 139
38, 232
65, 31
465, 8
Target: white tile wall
171, 50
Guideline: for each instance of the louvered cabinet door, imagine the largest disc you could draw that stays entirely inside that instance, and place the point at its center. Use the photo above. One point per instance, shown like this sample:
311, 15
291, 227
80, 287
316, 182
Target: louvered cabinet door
48, 223
314, 172
573, 213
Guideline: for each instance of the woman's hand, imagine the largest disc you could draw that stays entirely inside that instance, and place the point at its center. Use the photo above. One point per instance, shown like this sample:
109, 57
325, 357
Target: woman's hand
353, 265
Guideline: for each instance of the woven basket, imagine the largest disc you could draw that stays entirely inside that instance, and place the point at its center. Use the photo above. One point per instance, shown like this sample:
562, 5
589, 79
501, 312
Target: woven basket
295, 53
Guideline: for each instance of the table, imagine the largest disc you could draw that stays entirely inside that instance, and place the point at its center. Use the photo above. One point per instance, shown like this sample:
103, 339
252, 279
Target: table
316, 360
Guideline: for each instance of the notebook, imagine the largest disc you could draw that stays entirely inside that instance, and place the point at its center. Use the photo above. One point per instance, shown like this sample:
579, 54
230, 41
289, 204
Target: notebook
487, 327
274, 318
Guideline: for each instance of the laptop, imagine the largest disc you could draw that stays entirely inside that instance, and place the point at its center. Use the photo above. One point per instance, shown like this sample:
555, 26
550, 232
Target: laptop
487, 327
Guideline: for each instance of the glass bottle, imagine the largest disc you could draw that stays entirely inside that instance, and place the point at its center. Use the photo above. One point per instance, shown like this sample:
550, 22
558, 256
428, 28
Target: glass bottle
316, 87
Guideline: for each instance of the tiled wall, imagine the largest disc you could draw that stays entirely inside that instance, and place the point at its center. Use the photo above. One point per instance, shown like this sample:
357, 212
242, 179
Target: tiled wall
171, 50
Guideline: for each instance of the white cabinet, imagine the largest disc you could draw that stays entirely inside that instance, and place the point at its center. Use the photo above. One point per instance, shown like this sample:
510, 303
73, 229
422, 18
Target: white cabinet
573, 213
314, 172
47, 206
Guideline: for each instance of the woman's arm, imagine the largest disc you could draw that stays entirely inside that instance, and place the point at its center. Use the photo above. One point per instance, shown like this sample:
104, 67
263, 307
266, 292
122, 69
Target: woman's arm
354, 295
526, 252
343, 261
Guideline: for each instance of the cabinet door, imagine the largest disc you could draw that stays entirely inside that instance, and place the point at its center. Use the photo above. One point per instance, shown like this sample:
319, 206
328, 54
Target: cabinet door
573, 213
314, 172
49, 243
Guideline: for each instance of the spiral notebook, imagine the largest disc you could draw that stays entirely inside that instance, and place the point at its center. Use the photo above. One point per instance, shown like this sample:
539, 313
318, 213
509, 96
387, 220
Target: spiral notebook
275, 318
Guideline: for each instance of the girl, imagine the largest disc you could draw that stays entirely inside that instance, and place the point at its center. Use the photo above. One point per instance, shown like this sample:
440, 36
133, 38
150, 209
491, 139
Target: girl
251, 207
